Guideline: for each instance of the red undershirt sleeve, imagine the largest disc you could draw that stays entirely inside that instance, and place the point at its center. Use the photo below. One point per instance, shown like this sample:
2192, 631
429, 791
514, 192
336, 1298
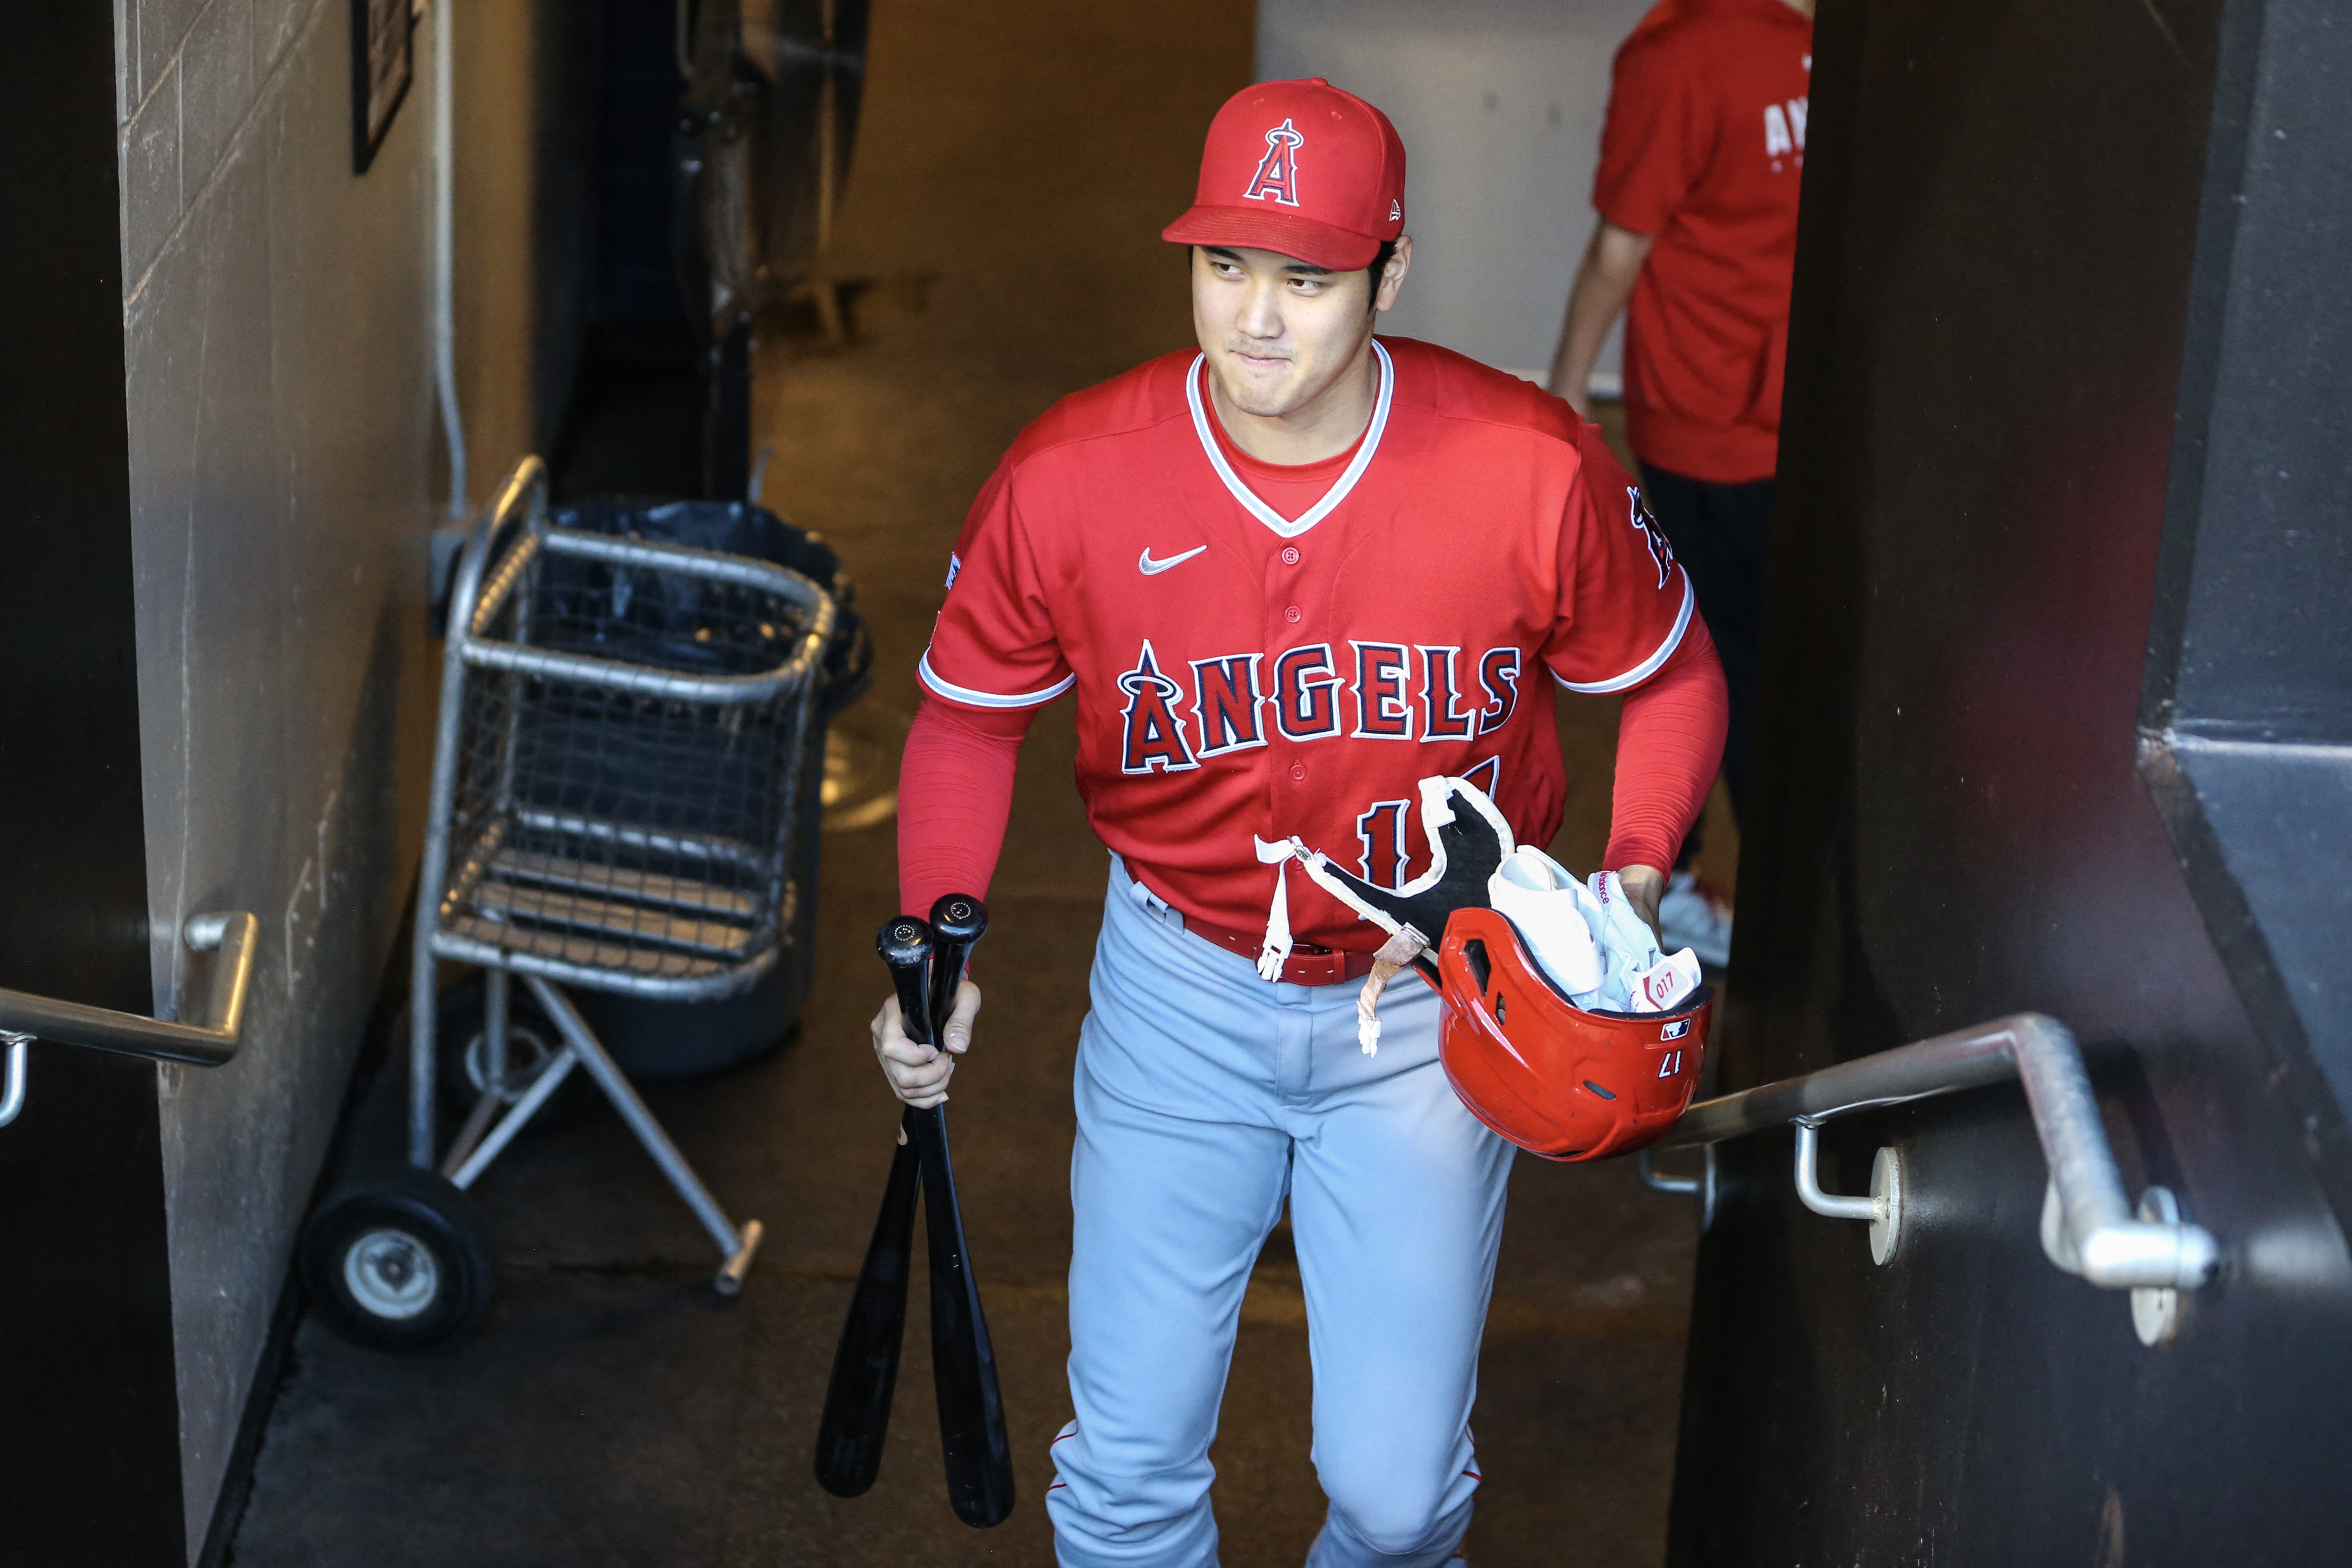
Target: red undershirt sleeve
955, 796
1669, 744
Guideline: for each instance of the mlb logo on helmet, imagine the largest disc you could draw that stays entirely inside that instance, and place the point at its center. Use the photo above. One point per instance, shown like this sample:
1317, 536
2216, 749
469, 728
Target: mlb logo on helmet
1302, 168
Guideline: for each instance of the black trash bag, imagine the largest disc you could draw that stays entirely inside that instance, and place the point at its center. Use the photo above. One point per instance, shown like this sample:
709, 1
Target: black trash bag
737, 528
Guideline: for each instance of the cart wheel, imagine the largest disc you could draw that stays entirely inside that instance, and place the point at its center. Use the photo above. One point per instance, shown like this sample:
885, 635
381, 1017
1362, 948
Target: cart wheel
461, 1040
400, 1260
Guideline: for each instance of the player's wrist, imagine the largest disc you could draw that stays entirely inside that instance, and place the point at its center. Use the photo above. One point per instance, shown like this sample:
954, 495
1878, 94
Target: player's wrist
1644, 886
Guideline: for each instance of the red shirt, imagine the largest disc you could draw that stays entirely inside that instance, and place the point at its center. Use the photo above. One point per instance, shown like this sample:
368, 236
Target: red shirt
1703, 151
1250, 670
1290, 488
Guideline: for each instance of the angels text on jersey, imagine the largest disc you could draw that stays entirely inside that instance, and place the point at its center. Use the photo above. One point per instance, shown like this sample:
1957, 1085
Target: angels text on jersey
1784, 131
1784, 126
1175, 714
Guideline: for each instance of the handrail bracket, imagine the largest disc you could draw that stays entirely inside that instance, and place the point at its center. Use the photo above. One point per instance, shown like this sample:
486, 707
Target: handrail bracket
1883, 1210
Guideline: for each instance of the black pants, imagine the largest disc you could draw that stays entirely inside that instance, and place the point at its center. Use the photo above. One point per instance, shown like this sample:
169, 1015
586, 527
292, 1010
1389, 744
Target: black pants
1719, 533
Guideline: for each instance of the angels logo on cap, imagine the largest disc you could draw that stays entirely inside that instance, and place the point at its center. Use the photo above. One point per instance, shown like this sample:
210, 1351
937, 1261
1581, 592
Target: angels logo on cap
1277, 179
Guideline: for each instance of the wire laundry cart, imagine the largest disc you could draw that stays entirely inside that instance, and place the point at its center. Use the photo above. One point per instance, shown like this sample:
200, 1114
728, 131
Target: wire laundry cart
627, 735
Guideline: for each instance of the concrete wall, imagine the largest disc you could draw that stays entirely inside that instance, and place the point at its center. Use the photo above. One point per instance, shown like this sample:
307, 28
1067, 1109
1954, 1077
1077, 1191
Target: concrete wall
283, 449
1500, 104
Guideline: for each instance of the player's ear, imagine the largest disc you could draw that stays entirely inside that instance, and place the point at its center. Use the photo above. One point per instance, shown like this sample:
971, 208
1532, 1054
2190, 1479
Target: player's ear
1384, 297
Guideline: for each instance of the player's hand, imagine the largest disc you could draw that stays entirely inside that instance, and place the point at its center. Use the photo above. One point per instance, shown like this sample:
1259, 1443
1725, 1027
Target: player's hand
1644, 886
919, 1074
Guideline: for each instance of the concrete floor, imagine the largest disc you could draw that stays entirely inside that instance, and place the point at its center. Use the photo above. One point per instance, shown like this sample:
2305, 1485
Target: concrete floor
998, 248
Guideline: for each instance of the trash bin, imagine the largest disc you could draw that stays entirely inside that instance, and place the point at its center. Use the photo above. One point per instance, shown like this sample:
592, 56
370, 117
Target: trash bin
675, 1039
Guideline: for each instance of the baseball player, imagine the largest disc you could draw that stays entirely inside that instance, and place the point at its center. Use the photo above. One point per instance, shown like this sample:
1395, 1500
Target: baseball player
1288, 573
1701, 158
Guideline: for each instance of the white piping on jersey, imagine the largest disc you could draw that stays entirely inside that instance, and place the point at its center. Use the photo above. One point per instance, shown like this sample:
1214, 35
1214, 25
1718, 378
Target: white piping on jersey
949, 688
1339, 487
1648, 666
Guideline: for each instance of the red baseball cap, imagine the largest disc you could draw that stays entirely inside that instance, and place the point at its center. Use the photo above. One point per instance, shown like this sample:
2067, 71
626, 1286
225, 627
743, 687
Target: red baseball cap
1301, 168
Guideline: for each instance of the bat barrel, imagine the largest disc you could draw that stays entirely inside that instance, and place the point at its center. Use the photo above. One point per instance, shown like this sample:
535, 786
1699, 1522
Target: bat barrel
856, 1417
972, 1439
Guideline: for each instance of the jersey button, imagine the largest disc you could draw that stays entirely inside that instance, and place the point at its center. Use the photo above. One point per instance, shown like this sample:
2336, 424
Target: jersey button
1298, 770
1290, 555
1291, 614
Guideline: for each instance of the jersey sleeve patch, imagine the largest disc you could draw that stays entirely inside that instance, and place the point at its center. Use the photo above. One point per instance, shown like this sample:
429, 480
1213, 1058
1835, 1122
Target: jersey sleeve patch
1624, 600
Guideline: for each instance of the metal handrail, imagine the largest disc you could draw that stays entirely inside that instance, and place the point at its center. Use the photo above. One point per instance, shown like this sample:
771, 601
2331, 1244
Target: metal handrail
24, 1018
2098, 1233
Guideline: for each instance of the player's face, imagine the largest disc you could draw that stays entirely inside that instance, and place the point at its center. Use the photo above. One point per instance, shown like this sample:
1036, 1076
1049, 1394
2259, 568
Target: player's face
1279, 333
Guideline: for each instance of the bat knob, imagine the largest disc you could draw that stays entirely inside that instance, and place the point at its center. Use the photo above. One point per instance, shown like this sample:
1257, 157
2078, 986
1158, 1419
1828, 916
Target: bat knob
959, 918
904, 942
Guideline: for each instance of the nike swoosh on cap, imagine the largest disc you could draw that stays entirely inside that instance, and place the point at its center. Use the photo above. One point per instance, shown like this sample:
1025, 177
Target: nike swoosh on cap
1151, 568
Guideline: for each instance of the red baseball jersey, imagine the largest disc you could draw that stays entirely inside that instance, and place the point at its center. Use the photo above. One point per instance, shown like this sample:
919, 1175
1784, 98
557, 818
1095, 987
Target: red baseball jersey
1702, 151
1247, 669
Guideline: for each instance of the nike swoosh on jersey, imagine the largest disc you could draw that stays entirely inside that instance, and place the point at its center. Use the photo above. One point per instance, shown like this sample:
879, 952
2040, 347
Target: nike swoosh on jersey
1151, 568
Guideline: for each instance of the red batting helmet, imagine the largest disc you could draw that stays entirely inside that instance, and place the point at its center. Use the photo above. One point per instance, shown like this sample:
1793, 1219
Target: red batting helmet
1550, 1077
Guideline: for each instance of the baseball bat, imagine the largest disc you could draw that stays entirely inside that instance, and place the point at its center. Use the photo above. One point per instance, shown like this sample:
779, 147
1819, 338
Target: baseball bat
958, 923
963, 1364
972, 1437
866, 1364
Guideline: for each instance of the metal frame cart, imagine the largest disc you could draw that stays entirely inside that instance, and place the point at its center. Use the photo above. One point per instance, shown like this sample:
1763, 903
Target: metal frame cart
628, 734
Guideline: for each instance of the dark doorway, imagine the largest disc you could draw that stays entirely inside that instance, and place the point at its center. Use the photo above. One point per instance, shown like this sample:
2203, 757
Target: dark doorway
2055, 693
90, 1455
